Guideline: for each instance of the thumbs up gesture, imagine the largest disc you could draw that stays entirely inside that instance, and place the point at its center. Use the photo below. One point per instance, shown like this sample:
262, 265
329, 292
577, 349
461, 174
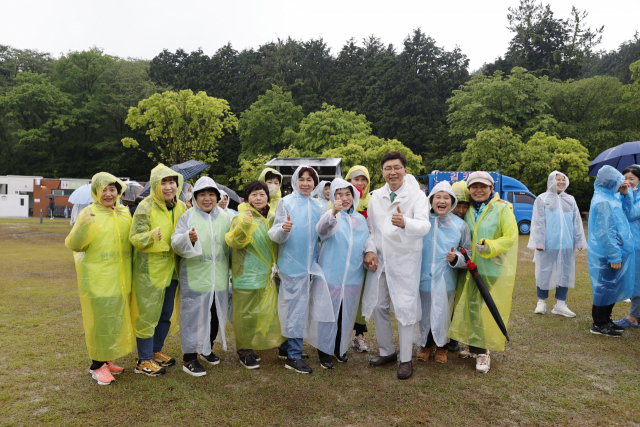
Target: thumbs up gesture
286, 226
451, 256
398, 219
193, 236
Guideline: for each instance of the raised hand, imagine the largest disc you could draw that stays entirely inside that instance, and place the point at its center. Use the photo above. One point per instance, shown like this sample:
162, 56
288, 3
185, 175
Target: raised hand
451, 256
398, 219
337, 206
286, 226
193, 236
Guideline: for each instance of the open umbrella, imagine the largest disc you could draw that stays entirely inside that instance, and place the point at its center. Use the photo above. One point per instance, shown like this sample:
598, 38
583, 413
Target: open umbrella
232, 194
486, 296
619, 157
81, 196
188, 170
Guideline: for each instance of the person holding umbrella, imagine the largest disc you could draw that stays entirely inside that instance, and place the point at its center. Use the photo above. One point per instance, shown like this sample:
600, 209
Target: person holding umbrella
610, 251
556, 231
494, 234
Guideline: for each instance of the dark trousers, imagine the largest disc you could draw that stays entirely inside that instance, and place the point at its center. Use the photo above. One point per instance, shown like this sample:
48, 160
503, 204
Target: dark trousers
213, 332
336, 349
431, 342
601, 314
360, 329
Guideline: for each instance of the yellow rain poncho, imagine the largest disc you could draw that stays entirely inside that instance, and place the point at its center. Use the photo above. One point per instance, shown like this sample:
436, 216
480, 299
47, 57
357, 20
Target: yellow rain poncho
154, 263
255, 298
364, 199
461, 191
472, 322
274, 198
102, 254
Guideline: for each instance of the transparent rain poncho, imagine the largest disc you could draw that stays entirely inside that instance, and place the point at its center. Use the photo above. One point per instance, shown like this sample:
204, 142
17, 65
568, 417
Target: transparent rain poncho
399, 250
277, 195
102, 255
556, 228
203, 273
75, 211
318, 194
472, 321
631, 207
438, 277
297, 256
153, 258
343, 238
255, 298
610, 241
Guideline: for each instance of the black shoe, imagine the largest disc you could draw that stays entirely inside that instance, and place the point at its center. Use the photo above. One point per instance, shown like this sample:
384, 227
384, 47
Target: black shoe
249, 362
453, 346
341, 359
212, 359
325, 361
282, 354
298, 366
194, 368
255, 356
605, 330
615, 327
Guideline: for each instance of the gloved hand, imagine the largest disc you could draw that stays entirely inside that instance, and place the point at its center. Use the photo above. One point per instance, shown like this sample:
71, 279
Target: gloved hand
482, 247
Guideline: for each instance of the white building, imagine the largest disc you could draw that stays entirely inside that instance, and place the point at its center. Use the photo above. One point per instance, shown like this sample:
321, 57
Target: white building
14, 205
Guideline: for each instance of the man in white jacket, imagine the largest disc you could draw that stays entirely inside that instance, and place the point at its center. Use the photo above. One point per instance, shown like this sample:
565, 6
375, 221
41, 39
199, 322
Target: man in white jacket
398, 219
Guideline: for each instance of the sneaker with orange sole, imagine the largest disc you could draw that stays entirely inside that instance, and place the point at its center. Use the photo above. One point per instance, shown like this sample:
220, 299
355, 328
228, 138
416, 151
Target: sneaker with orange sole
102, 375
441, 355
115, 370
425, 353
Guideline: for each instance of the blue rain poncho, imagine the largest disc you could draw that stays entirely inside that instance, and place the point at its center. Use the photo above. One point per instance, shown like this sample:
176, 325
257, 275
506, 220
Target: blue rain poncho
297, 261
631, 207
399, 250
438, 278
102, 254
610, 241
557, 229
343, 238
203, 272
318, 194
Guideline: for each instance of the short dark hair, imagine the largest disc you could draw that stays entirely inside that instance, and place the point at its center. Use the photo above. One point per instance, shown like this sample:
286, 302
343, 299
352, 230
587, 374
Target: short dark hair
173, 178
312, 173
215, 190
253, 186
394, 155
633, 169
271, 175
117, 185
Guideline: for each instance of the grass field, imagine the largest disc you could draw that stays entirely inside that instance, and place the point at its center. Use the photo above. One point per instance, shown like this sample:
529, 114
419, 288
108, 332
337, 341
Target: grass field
554, 372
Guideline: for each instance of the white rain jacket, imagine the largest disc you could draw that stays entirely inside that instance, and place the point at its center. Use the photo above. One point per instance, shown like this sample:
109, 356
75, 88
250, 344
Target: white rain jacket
318, 194
399, 250
438, 278
556, 228
343, 238
297, 261
203, 272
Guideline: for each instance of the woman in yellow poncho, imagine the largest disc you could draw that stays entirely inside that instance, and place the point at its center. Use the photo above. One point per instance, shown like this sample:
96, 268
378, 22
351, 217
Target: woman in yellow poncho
273, 179
102, 254
494, 234
255, 299
155, 278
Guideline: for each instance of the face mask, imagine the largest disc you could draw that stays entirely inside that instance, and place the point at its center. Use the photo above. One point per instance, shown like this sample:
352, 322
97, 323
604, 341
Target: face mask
273, 189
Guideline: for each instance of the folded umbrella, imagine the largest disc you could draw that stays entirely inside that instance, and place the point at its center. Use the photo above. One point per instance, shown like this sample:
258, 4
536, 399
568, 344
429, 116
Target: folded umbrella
486, 296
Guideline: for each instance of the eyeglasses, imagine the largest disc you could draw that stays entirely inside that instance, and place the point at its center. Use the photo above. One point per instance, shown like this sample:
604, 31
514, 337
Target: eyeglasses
395, 168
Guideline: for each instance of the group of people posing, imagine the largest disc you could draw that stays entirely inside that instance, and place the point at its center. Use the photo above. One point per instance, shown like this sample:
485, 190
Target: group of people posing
312, 269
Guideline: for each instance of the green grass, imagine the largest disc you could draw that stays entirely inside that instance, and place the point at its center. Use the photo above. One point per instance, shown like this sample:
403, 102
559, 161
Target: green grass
554, 372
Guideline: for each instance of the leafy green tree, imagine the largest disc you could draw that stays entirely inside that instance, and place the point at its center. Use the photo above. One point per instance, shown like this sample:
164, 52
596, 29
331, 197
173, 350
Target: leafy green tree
615, 63
494, 150
181, 126
262, 126
15, 61
250, 170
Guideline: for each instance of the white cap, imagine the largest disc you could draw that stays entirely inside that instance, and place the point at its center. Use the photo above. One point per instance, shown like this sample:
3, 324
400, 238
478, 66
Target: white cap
481, 177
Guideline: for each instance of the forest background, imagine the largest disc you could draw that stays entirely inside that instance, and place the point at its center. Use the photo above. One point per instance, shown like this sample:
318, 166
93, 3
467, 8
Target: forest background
552, 101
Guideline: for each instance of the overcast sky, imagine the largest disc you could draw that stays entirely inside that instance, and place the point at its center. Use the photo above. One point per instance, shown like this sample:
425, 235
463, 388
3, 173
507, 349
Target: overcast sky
142, 28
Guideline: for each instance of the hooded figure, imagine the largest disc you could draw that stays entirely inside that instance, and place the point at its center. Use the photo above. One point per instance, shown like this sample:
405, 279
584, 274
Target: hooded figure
437, 277
275, 195
318, 194
610, 242
154, 262
229, 212
102, 254
631, 207
204, 274
364, 196
343, 238
556, 231
461, 191
297, 256
472, 321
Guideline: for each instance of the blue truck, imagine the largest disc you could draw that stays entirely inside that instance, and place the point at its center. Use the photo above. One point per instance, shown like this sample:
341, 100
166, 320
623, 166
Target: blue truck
510, 190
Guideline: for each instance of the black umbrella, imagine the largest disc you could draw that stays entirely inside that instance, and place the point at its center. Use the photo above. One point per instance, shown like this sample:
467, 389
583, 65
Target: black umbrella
232, 194
486, 296
188, 170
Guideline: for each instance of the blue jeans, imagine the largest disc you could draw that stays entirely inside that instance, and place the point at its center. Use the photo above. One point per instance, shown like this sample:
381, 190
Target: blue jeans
148, 346
561, 293
293, 346
635, 307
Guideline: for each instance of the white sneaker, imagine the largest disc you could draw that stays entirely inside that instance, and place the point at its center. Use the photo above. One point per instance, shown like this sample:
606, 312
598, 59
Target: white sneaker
541, 307
627, 300
563, 311
483, 363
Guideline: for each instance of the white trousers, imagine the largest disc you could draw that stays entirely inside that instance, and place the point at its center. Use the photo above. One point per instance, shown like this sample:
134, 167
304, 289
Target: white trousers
382, 321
